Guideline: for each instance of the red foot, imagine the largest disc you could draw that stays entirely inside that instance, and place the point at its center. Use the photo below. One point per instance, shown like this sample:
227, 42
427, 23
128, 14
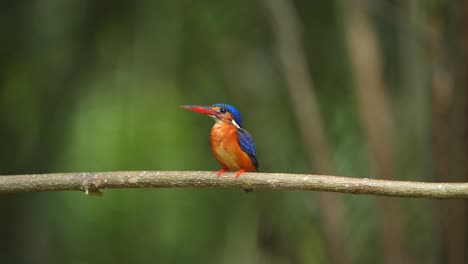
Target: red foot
220, 171
239, 173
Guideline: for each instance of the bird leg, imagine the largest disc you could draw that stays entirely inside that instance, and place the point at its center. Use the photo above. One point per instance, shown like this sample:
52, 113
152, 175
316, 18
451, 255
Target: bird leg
221, 171
239, 173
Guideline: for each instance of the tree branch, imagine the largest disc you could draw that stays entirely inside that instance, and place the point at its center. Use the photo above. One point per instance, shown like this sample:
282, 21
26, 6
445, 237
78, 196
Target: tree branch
93, 182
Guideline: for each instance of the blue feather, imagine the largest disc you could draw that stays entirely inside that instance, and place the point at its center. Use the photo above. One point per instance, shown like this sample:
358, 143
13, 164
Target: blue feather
247, 145
231, 109
243, 137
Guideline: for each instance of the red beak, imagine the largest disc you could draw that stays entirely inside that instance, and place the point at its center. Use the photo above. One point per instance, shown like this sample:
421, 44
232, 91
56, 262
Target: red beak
206, 110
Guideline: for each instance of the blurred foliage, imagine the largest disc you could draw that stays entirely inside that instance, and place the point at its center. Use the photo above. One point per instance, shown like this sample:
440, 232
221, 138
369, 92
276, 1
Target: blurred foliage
96, 85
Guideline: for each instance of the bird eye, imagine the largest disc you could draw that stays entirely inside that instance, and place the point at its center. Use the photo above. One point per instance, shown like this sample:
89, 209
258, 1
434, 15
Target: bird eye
223, 110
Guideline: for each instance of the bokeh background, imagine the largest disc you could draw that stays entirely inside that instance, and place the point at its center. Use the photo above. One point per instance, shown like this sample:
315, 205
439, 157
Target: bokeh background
371, 89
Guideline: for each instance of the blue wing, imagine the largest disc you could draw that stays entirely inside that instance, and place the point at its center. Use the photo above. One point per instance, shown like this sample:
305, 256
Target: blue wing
247, 145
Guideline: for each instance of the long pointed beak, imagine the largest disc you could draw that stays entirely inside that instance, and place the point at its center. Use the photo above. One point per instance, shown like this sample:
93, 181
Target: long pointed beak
206, 110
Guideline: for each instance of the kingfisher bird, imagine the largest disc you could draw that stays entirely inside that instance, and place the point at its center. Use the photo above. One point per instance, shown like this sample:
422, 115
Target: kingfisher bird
232, 146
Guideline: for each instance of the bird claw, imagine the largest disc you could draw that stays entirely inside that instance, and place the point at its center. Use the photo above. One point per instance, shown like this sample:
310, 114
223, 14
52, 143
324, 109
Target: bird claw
220, 171
239, 173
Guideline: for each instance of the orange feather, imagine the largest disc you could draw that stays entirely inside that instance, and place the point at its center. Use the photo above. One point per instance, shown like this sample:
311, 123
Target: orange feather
226, 149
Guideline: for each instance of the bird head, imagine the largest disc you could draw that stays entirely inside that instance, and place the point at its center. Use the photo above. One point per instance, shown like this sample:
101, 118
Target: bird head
219, 112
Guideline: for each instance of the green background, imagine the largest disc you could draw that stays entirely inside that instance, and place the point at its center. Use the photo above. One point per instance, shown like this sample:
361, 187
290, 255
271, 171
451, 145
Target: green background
96, 86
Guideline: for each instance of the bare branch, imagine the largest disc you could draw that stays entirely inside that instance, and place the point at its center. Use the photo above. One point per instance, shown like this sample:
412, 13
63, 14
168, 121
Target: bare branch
92, 182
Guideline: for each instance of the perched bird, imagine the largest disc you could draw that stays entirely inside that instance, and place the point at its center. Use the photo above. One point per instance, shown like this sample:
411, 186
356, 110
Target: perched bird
231, 145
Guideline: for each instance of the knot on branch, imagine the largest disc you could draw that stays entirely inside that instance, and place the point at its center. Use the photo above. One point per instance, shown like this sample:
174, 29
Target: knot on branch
91, 184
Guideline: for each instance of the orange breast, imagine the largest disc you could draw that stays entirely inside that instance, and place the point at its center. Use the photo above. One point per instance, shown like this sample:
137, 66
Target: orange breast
226, 149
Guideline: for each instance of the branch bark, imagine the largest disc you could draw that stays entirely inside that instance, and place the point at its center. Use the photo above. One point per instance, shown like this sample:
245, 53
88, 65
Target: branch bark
93, 182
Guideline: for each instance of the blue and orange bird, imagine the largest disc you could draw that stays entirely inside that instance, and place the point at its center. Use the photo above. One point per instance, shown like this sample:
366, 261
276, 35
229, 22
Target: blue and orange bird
232, 146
